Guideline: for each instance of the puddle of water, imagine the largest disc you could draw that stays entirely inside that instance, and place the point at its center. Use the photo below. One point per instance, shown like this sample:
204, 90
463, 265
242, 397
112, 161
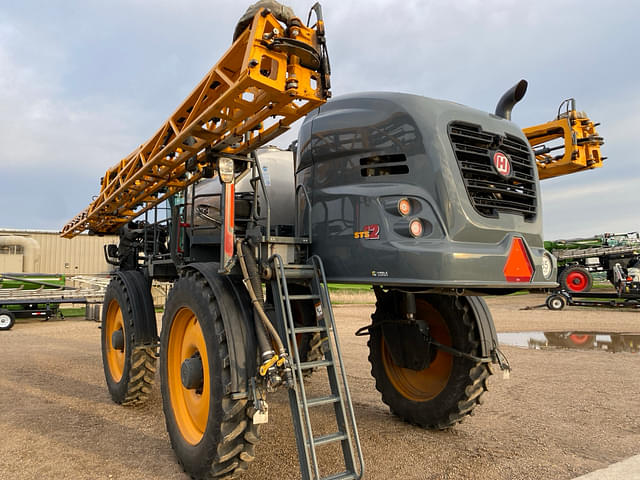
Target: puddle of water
580, 340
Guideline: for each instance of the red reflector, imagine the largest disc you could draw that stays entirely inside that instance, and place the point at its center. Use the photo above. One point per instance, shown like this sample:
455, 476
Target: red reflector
518, 267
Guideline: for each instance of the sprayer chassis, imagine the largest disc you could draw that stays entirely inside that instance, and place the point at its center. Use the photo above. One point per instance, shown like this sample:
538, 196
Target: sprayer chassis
368, 167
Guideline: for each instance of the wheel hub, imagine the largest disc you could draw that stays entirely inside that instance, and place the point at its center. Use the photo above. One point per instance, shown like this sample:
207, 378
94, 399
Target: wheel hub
424, 384
192, 373
188, 375
114, 341
117, 340
5, 320
577, 281
409, 344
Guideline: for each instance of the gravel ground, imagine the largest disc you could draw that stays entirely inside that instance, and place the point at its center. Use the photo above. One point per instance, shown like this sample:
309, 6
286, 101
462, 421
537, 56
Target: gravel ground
561, 414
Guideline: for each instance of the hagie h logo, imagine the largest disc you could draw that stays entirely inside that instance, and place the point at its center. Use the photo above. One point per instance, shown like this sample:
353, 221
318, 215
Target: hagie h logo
502, 164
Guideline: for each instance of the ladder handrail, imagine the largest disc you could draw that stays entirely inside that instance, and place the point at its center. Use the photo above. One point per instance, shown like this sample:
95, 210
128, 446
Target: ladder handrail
344, 414
317, 262
307, 436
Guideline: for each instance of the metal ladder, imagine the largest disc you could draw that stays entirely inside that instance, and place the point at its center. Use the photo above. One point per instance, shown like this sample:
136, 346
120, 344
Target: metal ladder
339, 397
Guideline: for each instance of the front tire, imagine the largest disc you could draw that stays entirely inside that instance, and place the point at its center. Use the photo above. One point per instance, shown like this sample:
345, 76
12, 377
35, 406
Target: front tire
211, 432
442, 394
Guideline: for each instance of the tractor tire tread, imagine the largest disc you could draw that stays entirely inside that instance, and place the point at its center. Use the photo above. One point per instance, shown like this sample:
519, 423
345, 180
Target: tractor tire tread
141, 374
238, 435
476, 377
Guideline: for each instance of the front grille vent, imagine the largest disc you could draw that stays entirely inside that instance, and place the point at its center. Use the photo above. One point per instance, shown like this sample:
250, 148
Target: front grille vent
384, 165
489, 191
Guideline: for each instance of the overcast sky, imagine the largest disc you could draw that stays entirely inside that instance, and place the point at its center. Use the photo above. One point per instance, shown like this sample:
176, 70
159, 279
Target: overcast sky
83, 83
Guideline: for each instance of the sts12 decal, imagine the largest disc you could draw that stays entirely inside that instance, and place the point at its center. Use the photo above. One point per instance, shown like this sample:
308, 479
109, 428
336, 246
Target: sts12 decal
369, 232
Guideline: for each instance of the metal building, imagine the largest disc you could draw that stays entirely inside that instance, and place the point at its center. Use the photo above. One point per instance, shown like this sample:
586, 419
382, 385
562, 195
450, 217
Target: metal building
43, 251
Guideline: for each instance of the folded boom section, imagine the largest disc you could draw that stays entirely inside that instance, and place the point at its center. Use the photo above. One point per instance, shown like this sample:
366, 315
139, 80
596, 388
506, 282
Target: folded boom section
272, 75
577, 143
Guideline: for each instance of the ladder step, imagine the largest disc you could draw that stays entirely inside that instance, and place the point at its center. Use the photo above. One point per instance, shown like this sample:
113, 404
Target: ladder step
341, 476
316, 364
332, 437
308, 329
299, 271
314, 402
301, 406
304, 297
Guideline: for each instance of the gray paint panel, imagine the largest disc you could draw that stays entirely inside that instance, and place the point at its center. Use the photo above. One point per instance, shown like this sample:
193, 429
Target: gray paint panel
354, 170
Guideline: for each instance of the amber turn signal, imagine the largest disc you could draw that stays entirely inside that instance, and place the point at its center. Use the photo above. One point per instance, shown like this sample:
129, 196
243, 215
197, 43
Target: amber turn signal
415, 227
404, 207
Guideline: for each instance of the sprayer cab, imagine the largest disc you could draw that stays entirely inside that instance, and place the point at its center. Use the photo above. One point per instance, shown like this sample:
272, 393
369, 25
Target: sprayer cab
407, 190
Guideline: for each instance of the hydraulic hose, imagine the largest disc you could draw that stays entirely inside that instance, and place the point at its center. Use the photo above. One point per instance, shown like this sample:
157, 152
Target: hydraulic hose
250, 274
258, 302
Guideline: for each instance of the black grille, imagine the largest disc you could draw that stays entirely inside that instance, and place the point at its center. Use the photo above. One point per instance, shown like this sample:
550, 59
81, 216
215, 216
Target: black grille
489, 191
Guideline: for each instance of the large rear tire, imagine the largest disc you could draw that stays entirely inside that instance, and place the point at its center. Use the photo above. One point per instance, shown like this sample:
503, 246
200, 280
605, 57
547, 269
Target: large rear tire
442, 394
576, 279
210, 431
129, 367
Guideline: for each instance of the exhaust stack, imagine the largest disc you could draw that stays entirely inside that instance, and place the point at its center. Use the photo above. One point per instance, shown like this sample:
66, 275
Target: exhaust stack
510, 98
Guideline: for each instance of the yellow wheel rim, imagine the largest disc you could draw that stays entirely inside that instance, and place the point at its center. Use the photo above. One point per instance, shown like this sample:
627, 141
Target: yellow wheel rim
190, 406
422, 385
115, 357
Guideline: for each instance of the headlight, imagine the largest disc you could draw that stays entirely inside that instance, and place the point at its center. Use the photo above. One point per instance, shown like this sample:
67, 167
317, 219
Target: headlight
225, 168
547, 265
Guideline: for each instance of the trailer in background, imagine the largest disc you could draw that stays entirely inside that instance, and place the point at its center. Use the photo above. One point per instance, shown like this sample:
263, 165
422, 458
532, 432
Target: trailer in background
627, 294
40, 295
580, 258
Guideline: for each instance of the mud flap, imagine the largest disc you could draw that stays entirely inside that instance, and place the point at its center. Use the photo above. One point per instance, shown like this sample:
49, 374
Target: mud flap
145, 329
237, 316
484, 322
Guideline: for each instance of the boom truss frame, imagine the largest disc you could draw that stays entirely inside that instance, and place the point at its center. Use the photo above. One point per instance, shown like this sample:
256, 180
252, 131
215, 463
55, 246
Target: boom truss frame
271, 76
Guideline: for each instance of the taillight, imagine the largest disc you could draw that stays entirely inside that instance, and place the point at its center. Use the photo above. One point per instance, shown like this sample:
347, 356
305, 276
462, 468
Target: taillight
518, 267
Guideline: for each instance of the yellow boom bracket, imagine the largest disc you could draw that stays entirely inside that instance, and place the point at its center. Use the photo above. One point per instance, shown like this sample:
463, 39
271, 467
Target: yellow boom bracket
577, 147
272, 75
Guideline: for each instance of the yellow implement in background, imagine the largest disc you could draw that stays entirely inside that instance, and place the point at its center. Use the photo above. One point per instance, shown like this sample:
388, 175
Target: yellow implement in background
577, 144
272, 75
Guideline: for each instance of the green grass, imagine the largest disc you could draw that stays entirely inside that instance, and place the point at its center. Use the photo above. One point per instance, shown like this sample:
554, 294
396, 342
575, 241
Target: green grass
73, 312
348, 287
